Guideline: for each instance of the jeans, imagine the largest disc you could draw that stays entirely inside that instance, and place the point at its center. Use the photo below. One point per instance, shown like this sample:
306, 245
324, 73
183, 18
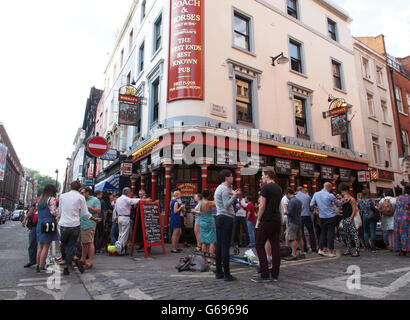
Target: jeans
124, 230
114, 232
307, 221
268, 230
32, 245
236, 238
69, 238
327, 233
251, 233
224, 227
99, 236
369, 226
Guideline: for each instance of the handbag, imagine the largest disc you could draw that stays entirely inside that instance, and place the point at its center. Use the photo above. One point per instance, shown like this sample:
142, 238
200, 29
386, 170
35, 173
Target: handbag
48, 227
374, 214
358, 220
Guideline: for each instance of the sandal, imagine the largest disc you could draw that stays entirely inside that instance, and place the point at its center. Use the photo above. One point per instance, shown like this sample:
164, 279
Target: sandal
347, 253
88, 266
356, 255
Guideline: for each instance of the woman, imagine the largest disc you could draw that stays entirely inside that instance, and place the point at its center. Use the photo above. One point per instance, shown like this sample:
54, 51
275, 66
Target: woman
349, 210
366, 205
402, 223
387, 220
175, 224
207, 225
250, 221
197, 198
47, 211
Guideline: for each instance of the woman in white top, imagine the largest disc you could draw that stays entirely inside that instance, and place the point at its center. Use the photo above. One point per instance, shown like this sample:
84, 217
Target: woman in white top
387, 218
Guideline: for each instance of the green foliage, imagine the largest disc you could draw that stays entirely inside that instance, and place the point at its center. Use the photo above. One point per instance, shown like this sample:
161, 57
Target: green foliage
42, 181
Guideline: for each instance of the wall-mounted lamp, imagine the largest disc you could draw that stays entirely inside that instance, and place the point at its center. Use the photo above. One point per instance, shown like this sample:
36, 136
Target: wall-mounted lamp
280, 59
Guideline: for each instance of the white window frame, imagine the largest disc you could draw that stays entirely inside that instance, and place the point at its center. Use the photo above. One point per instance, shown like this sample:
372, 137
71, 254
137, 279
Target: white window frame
373, 116
366, 71
297, 10
376, 157
155, 50
399, 99
302, 57
251, 38
385, 111
389, 152
379, 76
328, 19
405, 136
342, 82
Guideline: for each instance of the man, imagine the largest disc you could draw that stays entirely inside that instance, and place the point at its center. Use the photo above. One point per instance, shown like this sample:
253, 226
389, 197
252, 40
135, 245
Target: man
114, 217
224, 199
250, 221
70, 205
139, 236
32, 236
306, 214
294, 223
268, 225
88, 227
123, 208
99, 230
240, 219
325, 202
284, 212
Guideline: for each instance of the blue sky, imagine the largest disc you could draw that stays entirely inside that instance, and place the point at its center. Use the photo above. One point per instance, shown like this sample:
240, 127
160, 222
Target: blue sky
53, 52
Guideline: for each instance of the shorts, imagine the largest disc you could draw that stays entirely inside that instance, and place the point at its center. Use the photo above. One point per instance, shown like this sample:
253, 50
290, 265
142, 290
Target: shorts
87, 236
294, 232
197, 219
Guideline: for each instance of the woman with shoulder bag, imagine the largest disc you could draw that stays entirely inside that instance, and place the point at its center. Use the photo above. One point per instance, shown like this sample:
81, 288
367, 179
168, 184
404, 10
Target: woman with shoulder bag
370, 217
46, 225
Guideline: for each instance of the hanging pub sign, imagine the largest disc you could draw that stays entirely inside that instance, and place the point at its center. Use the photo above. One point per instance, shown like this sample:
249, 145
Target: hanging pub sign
327, 172
345, 175
307, 170
126, 168
129, 106
339, 124
283, 166
186, 50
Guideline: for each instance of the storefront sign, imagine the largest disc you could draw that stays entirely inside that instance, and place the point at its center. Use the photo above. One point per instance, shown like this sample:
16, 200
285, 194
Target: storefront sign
307, 170
178, 152
345, 175
126, 168
337, 111
363, 176
339, 124
302, 154
386, 175
186, 50
188, 189
111, 155
225, 157
129, 105
327, 172
283, 167
219, 111
144, 166
155, 160
3, 160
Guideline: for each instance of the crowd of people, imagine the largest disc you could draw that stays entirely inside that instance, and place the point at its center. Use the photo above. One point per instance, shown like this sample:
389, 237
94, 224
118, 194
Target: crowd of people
84, 223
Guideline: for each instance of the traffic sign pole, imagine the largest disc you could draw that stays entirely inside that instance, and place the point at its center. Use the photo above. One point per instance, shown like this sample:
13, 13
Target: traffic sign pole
95, 169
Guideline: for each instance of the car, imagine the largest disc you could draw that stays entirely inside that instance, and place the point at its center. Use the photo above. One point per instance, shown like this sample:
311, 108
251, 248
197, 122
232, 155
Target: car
17, 214
3, 216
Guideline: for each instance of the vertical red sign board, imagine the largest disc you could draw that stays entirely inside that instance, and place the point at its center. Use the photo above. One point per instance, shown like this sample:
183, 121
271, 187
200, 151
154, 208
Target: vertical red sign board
186, 50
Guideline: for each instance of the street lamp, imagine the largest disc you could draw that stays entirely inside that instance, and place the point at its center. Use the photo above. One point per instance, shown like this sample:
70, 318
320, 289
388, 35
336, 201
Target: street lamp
281, 59
56, 176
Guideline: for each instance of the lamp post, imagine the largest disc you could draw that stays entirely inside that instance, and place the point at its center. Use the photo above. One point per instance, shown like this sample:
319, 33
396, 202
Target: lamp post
280, 59
56, 176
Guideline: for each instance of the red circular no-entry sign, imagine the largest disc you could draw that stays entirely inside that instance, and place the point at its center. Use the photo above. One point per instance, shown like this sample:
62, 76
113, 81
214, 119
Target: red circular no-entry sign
97, 146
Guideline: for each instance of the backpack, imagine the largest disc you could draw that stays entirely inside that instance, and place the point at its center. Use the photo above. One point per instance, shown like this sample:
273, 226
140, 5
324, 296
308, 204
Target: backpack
387, 208
192, 263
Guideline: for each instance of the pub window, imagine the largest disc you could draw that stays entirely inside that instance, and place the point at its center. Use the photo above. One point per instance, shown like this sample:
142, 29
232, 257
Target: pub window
296, 56
143, 7
155, 104
292, 8
141, 58
300, 118
241, 31
157, 34
244, 101
337, 75
331, 26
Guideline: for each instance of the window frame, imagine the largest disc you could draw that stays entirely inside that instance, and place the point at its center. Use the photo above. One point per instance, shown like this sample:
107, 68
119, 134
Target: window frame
405, 136
376, 157
157, 40
250, 29
372, 116
379, 75
399, 99
249, 105
366, 71
296, 11
141, 57
304, 118
143, 9
332, 22
385, 111
341, 75
389, 155
296, 42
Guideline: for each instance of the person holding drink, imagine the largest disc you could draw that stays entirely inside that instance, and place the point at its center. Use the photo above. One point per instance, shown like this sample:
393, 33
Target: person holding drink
176, 208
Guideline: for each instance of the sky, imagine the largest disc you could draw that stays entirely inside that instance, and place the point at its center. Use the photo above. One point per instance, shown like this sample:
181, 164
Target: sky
53, 52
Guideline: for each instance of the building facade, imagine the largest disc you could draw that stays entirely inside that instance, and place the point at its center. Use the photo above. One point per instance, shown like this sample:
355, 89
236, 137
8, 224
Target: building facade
11, 176
378, 116
209, 67
28, 189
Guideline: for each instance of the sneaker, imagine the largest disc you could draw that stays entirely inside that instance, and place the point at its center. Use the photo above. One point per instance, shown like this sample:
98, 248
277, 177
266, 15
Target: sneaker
66, 272
259, 279
330, 255
42, 270
79, 265
275, 279
322, 253
219, 276
291, 258
37, 269
230, 278
309, 250
28, 265
302, 256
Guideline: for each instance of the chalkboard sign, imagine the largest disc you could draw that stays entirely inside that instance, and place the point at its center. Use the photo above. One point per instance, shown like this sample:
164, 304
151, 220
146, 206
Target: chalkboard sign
283, 167
345, 175
151, 225
307, 170
327, 173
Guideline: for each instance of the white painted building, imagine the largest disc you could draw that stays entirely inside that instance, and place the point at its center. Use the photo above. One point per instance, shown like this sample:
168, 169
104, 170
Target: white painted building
77, 157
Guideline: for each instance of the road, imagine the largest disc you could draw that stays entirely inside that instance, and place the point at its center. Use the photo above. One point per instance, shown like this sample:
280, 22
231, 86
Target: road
380, 275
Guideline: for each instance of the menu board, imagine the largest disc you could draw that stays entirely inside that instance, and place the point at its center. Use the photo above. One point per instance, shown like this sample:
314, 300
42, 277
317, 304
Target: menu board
327, 172
144, 166
307, 169
283, 166
345, 175
151, 225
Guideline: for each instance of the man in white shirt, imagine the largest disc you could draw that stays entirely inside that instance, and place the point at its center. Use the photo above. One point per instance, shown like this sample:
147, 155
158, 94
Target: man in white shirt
123, 209
284, 211
70, 205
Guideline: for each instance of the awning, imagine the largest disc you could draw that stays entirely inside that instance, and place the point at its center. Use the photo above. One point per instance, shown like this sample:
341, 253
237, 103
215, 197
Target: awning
111, 184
